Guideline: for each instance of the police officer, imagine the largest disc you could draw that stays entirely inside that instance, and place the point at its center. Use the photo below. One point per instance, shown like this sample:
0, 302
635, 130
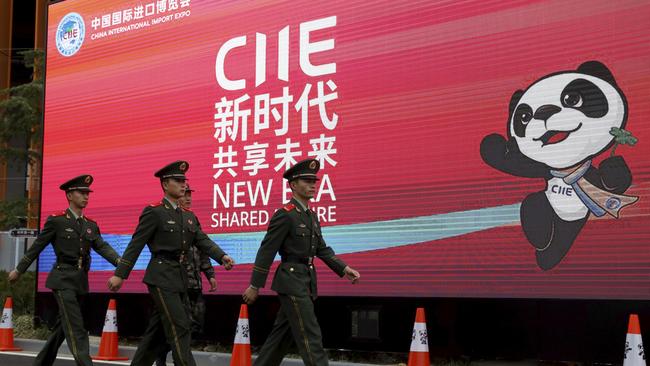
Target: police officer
198, 262
169, 231
72, 234
295, 232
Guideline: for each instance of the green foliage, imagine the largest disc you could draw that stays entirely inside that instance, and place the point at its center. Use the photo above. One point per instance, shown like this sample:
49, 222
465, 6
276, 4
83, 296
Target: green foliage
24, 328
11, 212
21, 113
622, 137
22, 292
34, 59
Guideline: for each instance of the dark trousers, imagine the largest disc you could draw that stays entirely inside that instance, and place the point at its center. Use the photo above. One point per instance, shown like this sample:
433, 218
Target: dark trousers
196, 309
69, 326
295, 323
169, 325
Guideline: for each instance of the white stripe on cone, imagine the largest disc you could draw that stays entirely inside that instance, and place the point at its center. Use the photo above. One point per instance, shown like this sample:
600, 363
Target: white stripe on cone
420, 340
243, 332
634, 353
110, 322
6, 322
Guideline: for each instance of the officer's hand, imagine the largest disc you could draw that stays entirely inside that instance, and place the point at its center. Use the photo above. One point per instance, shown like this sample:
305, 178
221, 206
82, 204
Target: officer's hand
13, 276
213, 284
250, 295
227, 262
351, 275
114, 283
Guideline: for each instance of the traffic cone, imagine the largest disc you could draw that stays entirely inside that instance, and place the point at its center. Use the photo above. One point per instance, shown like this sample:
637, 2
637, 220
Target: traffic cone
108, 344
7, 327
419, 355
634, 355
241, 351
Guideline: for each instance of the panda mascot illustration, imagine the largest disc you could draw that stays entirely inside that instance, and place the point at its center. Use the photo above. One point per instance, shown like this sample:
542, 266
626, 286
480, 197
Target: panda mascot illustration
555, 128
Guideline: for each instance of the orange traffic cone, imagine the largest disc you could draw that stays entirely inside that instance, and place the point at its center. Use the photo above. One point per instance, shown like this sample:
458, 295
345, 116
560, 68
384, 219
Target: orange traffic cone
108, 345
7, 327
419, 355
634, 355
241, 351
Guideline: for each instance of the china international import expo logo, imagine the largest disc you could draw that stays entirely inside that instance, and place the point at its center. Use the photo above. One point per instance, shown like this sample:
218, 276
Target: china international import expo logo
70, 34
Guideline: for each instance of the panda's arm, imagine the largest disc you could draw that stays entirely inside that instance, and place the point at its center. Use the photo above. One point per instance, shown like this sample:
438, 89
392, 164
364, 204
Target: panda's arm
505, 156
612, 175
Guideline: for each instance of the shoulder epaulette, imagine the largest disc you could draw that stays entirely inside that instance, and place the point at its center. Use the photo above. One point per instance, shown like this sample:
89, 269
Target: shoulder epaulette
186, 209
289, 207
62, 213
89, 219
156, 204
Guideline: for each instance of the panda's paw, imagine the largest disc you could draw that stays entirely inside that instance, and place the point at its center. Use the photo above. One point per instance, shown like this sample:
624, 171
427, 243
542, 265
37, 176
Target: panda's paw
615, 174
616, 161
493, 148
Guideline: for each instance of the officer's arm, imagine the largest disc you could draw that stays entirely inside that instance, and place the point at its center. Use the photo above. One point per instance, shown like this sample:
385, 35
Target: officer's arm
43, 239
327, 255
207, 246
105, 250
143, 233
275, 235
205, 265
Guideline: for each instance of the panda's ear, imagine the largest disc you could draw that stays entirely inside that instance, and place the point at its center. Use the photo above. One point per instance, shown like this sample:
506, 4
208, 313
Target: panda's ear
514, 100
597, 69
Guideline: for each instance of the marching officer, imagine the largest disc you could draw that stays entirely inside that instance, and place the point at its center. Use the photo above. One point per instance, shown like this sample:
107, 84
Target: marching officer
198, 262
169, 230
294, 232
72, 235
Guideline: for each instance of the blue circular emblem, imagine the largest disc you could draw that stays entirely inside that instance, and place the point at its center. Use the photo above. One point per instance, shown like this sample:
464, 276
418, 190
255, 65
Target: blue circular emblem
70, 34
612, 203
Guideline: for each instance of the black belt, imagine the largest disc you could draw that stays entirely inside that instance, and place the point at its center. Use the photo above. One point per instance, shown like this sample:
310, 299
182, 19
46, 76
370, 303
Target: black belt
298, 260
72, 262
176, 257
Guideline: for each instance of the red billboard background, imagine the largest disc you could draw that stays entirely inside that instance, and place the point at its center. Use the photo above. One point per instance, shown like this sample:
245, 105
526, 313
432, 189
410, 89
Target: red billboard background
415, 88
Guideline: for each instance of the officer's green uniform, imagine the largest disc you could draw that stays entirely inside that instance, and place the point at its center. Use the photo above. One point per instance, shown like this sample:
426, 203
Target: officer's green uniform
295, 233
169, 232
197, 263
72, 239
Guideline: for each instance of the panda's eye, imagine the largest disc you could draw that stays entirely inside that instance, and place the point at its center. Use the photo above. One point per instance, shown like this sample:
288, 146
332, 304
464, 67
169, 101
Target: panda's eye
586, 97
523, 114
572, 99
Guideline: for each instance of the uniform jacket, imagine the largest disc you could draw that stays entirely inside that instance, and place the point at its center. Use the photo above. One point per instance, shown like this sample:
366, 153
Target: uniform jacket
297, 236
72, 243
168, 233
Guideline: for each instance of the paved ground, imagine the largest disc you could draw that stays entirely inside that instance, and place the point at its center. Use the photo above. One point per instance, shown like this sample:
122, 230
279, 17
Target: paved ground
26, 359
32, 347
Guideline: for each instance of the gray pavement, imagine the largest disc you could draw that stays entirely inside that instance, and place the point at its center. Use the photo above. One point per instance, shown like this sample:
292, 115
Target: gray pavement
31, 347
26, 359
